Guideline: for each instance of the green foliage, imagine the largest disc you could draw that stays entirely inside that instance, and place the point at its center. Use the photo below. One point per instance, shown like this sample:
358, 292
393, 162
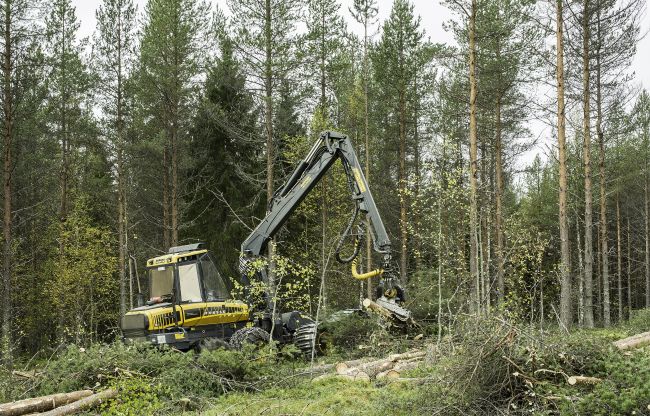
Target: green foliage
347, 332
147, 378
137, 396
82, 289
225, 194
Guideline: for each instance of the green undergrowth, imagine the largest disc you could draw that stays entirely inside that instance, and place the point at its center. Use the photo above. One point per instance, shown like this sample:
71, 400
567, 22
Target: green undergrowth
150, 380
486, 366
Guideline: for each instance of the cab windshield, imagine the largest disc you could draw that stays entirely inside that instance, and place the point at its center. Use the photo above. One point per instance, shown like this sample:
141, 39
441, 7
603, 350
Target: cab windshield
198, 281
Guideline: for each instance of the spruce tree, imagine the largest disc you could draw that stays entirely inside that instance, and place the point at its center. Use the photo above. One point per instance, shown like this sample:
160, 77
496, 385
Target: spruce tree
225, 159
172, 51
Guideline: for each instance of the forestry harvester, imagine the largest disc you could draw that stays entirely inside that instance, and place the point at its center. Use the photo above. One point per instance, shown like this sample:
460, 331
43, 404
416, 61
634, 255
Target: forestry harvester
190, 304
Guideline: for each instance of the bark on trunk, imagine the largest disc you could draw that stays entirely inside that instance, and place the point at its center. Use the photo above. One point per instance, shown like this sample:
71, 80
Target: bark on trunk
121, 192
473, 153
646, 219
619, 259
165, 201
268, 124
403, 224
603, 195
629, 270
5, 343
498, 170
589, 257
566, 316
367, 148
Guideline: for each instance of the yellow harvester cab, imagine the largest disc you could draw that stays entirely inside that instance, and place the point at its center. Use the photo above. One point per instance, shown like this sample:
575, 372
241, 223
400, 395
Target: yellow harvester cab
189, 304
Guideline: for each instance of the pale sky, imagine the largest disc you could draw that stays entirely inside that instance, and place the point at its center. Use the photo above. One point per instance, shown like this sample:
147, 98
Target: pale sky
433, 16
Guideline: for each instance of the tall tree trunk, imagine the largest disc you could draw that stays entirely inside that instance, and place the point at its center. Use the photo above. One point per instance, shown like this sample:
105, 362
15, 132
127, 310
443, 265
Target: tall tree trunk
565, 258
268, 124
589, 256
121, 192
473, 155
619, 260
581, 277
165, 201
7, 69
646, 220
367, 148
603, 195
498, 170
174, 181
416, 183
403, 223
629, 269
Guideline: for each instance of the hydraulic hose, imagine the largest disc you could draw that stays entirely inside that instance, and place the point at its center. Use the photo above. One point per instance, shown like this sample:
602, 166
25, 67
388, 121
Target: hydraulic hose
346, 233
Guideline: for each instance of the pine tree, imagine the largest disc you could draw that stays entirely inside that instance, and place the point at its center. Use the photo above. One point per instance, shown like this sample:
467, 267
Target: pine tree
396, 62
365, 12
565, 262
114, 49
266, 43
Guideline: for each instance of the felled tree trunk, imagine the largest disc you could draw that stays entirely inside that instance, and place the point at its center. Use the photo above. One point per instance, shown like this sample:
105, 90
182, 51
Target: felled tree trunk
86, 403
635, 341
42, 404
573, 380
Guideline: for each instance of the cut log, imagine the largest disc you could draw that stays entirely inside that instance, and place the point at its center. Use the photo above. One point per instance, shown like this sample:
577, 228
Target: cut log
372, 368
320, 369
573, 380
406, 365
407, 355
342, 367
42, 404
635, 341
376, 308
83, 404
388, 375
358, 376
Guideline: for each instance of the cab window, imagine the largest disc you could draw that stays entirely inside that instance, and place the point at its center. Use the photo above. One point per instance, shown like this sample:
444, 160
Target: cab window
161, 281
188, 278
214, 285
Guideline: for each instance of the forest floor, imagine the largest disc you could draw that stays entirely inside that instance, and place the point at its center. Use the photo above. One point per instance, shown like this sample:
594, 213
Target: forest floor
486, 366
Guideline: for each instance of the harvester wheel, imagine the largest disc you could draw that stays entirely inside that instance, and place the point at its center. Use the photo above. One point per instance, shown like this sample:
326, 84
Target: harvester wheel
308, 336
245, 336
211, 344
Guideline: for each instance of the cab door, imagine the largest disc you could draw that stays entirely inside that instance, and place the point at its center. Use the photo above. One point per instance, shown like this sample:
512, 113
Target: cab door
219, 308
191, 301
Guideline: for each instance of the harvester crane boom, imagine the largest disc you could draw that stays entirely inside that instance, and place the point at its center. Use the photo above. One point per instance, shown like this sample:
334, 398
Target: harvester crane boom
330, 147
323, 154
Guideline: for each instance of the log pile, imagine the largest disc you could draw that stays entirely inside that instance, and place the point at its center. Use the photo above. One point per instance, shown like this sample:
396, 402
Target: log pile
390, 368
60, 404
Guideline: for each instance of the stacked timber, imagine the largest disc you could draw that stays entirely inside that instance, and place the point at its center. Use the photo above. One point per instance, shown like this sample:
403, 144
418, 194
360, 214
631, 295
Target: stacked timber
388, 368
